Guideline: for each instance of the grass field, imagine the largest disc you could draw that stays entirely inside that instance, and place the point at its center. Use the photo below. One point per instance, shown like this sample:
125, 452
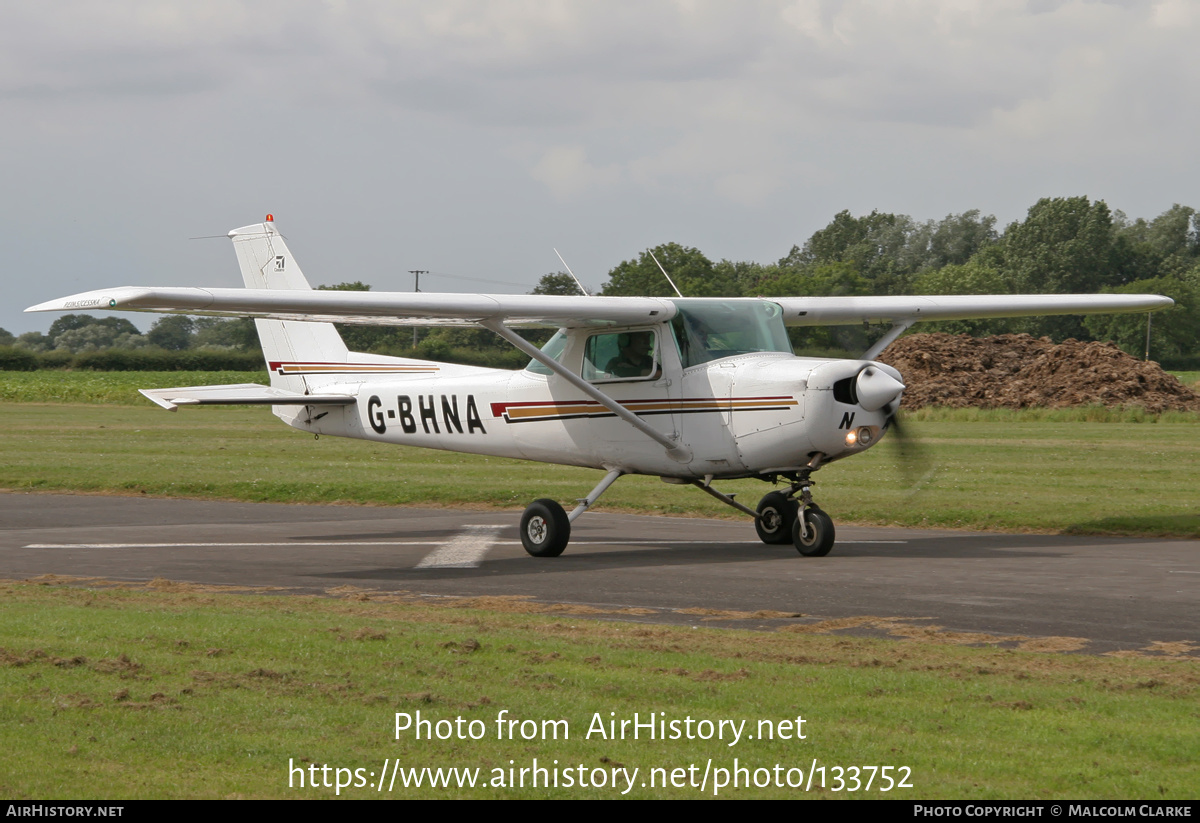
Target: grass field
174, 690
178, 691
1189, 378
1011, 472
52, 386
113, 387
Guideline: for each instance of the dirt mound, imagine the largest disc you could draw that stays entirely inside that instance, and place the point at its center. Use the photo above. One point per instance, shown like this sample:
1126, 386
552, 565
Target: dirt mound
1015, 371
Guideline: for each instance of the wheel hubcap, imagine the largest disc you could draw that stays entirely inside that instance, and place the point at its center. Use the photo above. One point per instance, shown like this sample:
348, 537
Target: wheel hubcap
537, 529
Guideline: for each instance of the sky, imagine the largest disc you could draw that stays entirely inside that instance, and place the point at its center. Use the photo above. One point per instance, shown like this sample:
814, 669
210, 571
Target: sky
471, 138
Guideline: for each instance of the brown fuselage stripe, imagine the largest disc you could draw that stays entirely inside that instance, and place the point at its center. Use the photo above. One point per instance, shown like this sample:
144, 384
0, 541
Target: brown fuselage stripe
531, 411
303, 367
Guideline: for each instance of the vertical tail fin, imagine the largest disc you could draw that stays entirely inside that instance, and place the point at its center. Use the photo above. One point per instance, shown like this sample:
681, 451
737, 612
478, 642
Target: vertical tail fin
267, 263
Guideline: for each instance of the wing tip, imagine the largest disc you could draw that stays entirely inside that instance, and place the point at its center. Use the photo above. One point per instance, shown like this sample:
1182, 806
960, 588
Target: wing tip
85, 300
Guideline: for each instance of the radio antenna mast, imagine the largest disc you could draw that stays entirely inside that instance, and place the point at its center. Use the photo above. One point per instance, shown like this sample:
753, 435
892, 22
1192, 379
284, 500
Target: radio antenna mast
664, 271
582, 290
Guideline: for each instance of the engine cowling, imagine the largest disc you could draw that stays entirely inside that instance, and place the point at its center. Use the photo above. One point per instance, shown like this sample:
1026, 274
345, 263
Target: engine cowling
849, 404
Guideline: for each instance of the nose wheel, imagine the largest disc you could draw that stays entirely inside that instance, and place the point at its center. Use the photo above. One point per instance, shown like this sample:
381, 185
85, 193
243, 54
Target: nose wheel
813, 533
793, 517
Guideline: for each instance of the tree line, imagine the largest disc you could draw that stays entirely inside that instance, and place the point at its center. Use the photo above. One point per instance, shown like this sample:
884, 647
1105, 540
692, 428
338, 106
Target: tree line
1063, 245
174, 342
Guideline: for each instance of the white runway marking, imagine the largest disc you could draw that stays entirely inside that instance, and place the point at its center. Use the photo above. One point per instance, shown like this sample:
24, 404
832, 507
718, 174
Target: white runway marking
464, 551
291, 543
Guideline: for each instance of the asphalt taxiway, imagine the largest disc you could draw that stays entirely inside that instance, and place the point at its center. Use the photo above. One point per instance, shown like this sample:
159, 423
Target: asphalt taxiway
1091, 594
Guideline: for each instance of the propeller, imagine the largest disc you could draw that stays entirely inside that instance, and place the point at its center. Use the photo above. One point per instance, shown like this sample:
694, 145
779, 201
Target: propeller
915, 461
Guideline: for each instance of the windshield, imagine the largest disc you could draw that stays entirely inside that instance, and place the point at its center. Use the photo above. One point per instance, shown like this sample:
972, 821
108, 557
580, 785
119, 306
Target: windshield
553, 348
711, 329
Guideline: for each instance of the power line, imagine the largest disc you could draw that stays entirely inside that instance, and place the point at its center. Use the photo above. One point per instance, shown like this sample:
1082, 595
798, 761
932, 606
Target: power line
475, 279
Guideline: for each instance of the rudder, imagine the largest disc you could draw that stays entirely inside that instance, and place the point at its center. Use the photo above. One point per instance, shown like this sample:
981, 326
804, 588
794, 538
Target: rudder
288, 345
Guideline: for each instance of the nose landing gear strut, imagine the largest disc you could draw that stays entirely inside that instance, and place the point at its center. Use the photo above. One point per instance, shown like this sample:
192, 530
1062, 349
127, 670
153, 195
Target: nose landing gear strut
792, 516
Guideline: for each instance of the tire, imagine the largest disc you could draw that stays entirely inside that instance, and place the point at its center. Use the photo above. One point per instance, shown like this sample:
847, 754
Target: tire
820, 533
545, 529
778, 513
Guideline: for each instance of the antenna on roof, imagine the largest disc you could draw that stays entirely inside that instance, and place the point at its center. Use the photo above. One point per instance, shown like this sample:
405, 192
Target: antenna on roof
582, 290
664, 271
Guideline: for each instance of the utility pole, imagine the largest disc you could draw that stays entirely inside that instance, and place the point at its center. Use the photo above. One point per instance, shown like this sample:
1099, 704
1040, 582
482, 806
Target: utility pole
416, 273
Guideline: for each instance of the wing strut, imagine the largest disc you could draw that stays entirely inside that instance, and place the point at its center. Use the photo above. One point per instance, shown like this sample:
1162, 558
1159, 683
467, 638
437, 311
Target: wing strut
676, 451
898, 328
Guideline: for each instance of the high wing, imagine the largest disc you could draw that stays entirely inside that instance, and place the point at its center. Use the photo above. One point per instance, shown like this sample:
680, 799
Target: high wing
836, 311
431, 309
374, 308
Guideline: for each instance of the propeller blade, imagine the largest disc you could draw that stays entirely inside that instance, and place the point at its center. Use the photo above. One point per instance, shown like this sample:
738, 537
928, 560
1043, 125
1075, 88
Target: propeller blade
914, 459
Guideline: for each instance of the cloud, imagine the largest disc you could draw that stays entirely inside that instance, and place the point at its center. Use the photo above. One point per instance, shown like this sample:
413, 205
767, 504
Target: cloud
566, 171
681, 112
565, 63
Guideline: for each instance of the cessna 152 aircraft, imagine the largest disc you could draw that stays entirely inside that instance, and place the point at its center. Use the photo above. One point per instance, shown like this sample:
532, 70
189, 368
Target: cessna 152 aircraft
690, 390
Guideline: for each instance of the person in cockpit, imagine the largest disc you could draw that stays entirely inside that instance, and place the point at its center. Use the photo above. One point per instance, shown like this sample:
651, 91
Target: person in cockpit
635, 358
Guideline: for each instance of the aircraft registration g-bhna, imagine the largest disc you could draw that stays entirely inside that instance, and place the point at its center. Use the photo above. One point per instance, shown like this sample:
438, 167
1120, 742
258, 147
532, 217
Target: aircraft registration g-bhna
689, 389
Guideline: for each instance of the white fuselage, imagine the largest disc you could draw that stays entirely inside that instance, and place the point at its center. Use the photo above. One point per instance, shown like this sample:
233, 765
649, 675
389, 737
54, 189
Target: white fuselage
737, 416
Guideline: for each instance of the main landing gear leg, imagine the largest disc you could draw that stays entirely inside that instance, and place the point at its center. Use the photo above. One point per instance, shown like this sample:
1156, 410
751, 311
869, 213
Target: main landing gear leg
546, 526
727, 499
783, 518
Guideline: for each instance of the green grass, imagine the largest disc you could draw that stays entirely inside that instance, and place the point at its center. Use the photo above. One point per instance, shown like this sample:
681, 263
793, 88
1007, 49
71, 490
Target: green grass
1086, 470
117, 387
1188, 378
180, 691
121, 388
1074, 414
1007, 473
52, 386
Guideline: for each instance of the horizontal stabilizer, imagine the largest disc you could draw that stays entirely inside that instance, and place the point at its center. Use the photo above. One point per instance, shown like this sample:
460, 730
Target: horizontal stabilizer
240, 394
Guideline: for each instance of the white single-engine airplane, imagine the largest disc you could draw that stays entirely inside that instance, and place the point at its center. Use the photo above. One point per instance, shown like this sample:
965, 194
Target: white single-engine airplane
690, 390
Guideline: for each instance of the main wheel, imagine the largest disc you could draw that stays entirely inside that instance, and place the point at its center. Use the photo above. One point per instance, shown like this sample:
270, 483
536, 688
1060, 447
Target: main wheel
777, 513
819, 539
545, 529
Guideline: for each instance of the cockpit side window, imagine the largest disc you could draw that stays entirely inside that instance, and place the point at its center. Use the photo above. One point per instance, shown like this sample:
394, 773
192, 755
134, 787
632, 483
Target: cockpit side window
628, 355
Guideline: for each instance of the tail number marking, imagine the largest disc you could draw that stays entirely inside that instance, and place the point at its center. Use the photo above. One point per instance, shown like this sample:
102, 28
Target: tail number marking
426, 416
